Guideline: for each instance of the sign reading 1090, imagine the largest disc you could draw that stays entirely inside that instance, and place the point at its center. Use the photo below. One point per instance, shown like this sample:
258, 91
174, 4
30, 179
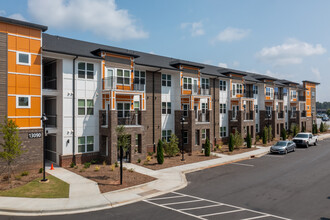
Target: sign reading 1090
34, 135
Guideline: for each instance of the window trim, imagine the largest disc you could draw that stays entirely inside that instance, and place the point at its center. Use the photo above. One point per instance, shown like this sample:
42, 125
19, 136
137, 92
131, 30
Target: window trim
168, 82
223, 108
223, 85
203, 133
223, 131
85, 70
23, 96
123, 77
20, 63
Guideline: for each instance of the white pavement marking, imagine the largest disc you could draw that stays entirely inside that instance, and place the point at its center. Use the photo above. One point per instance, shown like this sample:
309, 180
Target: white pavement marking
243, 164
270, 155
197, 199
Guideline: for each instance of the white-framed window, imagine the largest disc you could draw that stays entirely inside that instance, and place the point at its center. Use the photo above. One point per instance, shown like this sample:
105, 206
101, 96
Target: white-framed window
270, 92
307, 93
90, 106
255, 89
239, 88
235, 110
166, 108
185, 137
85, 70
268, 111
203, 134
223, 108
205, 83
257, 128
185, 109
256, 107
139, 79
222, 85
166, 80
23, 58
285, 91
223, 131
23, 101
293, 94
123, 77
123, 109
85, 106
81, 106
85, 146
187, 83
166, 135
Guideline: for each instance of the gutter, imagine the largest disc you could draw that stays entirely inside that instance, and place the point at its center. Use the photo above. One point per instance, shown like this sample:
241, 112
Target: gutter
74, 110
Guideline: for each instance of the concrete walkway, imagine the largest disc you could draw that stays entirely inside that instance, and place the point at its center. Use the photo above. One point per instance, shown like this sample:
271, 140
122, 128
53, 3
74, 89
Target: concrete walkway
85, 195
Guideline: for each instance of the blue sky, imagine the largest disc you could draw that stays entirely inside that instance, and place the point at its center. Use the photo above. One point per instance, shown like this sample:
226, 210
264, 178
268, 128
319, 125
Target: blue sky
285, 39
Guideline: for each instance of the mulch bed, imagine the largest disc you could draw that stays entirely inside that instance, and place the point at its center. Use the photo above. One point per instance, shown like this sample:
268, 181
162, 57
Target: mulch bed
17, 179
174, 161
225, 150
109, 180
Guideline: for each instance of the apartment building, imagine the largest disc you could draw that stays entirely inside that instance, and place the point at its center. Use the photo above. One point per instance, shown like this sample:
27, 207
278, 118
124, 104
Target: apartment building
87, 90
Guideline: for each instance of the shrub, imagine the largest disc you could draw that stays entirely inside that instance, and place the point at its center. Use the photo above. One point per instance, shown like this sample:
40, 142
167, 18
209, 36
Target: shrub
97, 168
112, 167
75, 167
283, 134
231, 143
160, 152
72, 164
124, 168
321, 127
139, 160
220, 147
25, 173
145, 163
148, 158
150, 154
104, 163
294, 130
325, 127
87, 165
248, 140
18, 177
238, 140
131, 170
315, 127
40, 170
116, 164
264, 135
171, 148
82, 170
270, 133
257, 139
94, 161
207, 147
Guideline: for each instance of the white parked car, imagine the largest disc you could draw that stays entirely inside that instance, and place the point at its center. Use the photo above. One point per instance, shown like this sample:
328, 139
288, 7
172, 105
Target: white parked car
305, 139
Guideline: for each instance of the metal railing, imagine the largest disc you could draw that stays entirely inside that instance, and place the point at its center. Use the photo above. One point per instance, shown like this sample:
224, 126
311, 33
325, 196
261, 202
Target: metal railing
205, 91
302, 98
248, 94
280, 114
52, 121
293, 114
203, 117
110, 83
132, 118
278, 95
303, 114
248, 116
49, 82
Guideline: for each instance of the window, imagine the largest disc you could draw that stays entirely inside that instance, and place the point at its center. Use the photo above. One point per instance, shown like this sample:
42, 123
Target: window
185, 137
293, 94
139, 80
23, 58
187, 83
81, 144
307, 107
268, 111
197, 137
286, 108
166, 80
313, 94
138, 142
270, 92
81, 106
123, 77
256, 107
23, 101
123, 109
239, 88
166, 135
203, 134
223, 108
185, 110
286, 125
205, 83
255, 89
85, 70
90, 107
90, 143
166, 108
307, 93
223, 131
285, 91
257, 128
222, 85
136, 105
235, 110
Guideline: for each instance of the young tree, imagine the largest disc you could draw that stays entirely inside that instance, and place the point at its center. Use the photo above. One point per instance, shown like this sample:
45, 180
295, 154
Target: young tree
238, 140
321, 127
12, 144
207, 148
270, 133
264, 135
248, 140
123, 144
171, 148
231, 143
283, 134
303, 129
160, 152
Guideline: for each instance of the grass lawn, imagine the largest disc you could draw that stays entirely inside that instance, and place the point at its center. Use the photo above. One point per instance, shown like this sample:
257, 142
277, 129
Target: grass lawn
55, 188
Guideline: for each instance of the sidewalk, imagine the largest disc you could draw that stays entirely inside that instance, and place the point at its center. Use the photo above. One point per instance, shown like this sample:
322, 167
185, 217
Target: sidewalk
85, 195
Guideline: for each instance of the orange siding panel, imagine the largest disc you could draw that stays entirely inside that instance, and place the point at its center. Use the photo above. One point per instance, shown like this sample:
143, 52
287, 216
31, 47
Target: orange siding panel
23, 44
35, 106
35, 122
11, 105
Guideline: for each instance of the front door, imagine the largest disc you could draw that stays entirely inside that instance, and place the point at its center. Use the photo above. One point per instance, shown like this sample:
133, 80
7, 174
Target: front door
204, 108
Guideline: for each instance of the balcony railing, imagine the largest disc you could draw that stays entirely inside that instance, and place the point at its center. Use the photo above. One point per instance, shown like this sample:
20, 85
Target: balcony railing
280, 115
205, 91
248, 94
203, 117
132, 118
293, 114
51, 123
245, 94
110, 83
49, 82
278, 95
302, 98
248, 116
303, 114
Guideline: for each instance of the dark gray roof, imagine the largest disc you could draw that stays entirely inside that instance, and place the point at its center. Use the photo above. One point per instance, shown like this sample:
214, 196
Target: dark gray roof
251, 78
187, 63
279, 83
287, 82
226, 71
23, 23
307, 81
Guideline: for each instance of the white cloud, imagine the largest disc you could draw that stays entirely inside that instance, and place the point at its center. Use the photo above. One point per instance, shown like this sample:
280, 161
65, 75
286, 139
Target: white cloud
235, 64
280, 75
224, 65
231, 34
195, 28
291, 52
17, 16
101, 17
2, 12
316, 73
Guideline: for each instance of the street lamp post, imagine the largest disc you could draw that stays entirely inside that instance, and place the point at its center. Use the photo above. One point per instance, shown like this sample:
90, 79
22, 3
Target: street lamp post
44, 119
182, 133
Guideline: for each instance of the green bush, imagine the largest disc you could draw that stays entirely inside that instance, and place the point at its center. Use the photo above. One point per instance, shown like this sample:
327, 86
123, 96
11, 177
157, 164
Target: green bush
160, 152
238, 140
171, 148
94, 161
294, 130
207, 148
257, 139
264, 135
139, 160
72, 164
321, 127
283, 134
270, 133
40, 170
87, 165
231, 143
25, 173
248, 140
116, 164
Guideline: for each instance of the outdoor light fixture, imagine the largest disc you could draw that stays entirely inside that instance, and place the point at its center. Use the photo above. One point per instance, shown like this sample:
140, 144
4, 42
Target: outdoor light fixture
182, 133
44, 120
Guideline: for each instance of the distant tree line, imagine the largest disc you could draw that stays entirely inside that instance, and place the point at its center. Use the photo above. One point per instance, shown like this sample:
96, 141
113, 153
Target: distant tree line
322, 105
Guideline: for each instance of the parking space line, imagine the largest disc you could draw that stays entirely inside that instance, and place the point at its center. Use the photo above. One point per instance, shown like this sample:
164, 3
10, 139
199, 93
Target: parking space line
257, 217
243, 164
169, 197
175, 203
201, 207
221, 213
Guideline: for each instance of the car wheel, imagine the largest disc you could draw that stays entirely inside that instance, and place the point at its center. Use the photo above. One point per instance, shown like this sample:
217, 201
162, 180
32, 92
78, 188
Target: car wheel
307, 145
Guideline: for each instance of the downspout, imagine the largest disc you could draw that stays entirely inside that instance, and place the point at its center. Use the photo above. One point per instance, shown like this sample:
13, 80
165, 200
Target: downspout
153, 109
74, 110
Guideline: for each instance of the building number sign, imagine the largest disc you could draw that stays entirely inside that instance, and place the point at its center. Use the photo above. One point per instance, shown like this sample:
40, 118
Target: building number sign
34, 135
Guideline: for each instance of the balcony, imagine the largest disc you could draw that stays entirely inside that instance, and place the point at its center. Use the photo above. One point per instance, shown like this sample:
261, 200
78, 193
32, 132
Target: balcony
248, 116
303, 114
280, 115
132, 118
111, 83
205, 92
246, 94
202, 117
51, 123
278, 96
293, 114
49, 82
302, 98
201, 91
